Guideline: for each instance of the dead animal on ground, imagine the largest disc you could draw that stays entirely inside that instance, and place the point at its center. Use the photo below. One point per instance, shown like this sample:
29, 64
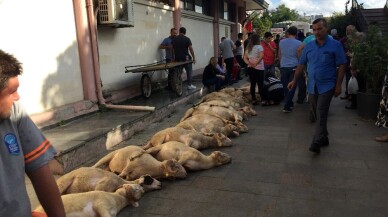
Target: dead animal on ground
100, 203
213, 124
208, 126
132, 162
243, 101
189, 157
191, 138
247, 109
233, 91
229, 114
86, 179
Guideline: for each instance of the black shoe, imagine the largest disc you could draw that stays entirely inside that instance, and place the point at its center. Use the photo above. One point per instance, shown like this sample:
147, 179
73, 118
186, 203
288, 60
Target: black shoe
315, 148
324, 142
351, 107
344, 97
300, 101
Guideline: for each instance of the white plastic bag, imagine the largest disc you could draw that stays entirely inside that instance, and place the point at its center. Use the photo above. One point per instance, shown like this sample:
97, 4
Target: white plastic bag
352, 85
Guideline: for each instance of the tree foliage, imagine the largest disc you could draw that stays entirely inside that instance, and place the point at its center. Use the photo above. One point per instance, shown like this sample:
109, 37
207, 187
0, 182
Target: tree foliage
371, 58
339, 21
262, 24
283, 13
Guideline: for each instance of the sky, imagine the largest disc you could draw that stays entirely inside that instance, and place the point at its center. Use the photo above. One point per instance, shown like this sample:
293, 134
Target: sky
324, 7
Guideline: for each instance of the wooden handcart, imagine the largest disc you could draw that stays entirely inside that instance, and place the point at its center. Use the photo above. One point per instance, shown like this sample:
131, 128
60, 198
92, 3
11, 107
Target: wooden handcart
174, 70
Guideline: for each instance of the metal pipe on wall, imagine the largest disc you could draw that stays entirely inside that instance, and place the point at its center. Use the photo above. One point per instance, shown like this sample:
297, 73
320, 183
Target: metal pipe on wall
97, 76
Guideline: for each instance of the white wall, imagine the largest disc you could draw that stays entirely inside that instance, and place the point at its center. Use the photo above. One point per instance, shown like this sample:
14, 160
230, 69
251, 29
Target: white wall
42, 36
140, 44
199, 29
133, 46
225, 29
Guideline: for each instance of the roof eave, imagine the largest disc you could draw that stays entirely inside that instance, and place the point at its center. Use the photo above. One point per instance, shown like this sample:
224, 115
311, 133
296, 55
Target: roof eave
256, 5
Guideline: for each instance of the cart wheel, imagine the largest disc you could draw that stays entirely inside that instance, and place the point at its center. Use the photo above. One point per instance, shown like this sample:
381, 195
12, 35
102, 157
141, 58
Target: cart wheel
146, 87
177, 82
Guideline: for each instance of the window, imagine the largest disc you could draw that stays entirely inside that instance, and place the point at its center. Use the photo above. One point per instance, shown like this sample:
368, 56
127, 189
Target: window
224, 10
166, 2
199, 6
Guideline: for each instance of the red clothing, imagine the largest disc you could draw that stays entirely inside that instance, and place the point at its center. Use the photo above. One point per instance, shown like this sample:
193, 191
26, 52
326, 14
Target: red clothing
269, 55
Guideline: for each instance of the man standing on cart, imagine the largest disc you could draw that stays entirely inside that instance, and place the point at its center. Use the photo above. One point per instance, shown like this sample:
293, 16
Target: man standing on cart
181, 46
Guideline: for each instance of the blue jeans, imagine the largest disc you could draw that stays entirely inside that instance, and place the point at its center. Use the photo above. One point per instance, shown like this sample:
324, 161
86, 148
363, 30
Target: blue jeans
287, 75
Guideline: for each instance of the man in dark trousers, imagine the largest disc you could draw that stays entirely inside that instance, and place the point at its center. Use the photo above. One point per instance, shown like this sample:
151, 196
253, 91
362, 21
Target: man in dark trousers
227, 47
323, 56
181, 46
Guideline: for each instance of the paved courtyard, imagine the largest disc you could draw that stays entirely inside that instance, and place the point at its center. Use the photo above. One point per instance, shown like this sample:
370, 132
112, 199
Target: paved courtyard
274, 174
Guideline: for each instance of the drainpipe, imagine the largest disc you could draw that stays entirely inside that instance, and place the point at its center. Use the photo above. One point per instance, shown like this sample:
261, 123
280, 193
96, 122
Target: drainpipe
176, 15
216, 26
93, 41
96, 66
85, 55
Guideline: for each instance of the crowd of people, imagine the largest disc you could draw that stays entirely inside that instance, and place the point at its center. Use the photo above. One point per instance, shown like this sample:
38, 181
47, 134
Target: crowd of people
314, 64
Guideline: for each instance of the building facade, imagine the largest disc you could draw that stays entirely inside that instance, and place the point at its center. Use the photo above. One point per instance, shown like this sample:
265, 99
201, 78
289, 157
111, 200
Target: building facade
72, 62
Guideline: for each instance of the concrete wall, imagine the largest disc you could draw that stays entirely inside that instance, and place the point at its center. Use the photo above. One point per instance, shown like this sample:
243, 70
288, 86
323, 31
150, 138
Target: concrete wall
42, 36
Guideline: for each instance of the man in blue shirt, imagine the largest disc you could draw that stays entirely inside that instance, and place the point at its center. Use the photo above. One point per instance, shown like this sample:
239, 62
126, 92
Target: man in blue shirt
323, 55
167, 45
288, 55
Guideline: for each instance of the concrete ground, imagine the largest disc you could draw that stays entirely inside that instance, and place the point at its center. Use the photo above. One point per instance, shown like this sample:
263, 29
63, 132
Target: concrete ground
274, 174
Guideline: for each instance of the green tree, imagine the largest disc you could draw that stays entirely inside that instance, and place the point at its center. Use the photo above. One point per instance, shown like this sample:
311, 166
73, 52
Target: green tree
262, 24
339, 21
282, 13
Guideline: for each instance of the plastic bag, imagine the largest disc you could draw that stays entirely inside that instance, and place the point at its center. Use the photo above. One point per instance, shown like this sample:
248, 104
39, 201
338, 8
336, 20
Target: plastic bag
352, 85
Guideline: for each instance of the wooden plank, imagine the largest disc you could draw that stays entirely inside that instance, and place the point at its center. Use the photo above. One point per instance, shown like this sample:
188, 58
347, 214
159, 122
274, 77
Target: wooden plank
157, 67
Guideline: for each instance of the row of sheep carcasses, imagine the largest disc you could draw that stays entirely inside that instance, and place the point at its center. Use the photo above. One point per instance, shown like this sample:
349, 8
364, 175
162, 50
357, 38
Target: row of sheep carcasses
168, 154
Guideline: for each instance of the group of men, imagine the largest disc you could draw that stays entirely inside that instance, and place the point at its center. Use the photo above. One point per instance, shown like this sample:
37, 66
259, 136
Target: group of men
177, 47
